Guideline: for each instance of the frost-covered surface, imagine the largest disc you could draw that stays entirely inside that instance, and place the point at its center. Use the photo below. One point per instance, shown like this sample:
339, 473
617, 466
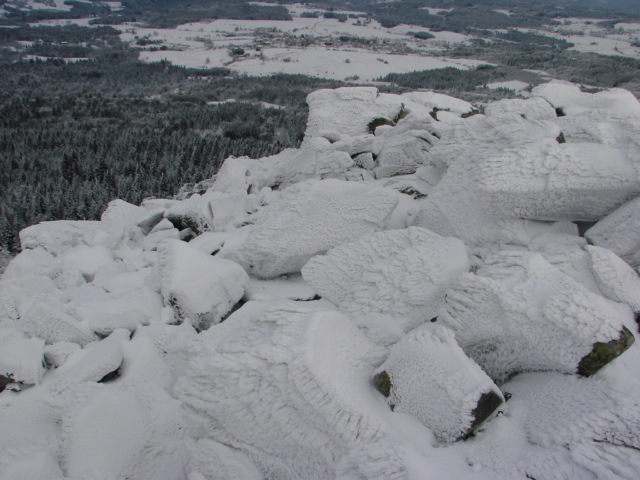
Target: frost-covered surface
199, 287
518, 313
551, 181
620, 232
404, 273
324, 265
310, 218
432, 379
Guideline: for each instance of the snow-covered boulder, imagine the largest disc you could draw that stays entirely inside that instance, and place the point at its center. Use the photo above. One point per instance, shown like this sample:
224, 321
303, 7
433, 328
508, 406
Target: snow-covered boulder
439, 102
598, 269
455, 205
120, 214
403, 155
310, 218
316, 158
52, 325
620, 232
21, 358
428, 375
288, 386
59, 236
138, 307
535, 108
199, 287
568, 97
551, 181
85, 259
404, 273
350, 111
615, 279
135, 433
518, 313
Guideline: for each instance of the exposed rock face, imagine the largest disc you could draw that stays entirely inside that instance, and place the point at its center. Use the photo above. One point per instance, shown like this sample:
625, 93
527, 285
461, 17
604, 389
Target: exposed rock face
310, 218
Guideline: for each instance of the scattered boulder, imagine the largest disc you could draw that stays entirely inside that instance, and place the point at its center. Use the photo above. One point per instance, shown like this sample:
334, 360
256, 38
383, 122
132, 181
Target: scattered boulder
310, 218
428, 375
620, 232
532, 109
58, 236
570, 100
267, 379
21, 358
550, 181
200, 288
129, 311
350, 111
403, 273
518, 313
52, 325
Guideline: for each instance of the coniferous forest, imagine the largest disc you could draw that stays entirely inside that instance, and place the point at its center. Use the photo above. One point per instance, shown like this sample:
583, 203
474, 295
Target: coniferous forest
74, 136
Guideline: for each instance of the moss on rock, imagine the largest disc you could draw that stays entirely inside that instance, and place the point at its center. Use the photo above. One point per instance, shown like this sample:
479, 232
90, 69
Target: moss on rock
604, 353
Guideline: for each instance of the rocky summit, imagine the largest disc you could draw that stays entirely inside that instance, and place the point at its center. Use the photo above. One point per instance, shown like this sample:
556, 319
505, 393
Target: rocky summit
422, 290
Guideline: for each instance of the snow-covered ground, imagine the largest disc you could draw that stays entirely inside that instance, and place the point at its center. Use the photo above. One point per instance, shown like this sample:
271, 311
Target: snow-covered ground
515, 85
588, 36
406, 296
42, 5
316, 61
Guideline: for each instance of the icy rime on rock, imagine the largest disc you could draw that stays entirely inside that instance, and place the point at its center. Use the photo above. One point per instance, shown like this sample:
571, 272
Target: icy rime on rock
400, 272
373, 209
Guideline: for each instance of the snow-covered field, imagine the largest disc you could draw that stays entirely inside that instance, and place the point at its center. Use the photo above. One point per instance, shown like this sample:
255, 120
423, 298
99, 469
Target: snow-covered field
405, 296
316, 61
515, 85
588, 36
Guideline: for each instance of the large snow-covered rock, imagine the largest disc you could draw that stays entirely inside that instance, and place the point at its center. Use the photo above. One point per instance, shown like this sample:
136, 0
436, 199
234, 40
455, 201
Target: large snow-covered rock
620, 232
551, 181
135, 433
350, 111
428, 375
199, 287
21, 358
518, 313
138, 307
535, 108
290, 387
572, 101
316, 158
403, 155
310, 218
58, 236
404, 273
53, 325
455, 205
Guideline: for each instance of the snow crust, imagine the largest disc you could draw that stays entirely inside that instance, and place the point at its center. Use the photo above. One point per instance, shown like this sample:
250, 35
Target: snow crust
236, 333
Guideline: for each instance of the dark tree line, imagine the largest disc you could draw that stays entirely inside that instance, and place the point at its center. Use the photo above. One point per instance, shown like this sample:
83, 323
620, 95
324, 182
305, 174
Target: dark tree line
74, 136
